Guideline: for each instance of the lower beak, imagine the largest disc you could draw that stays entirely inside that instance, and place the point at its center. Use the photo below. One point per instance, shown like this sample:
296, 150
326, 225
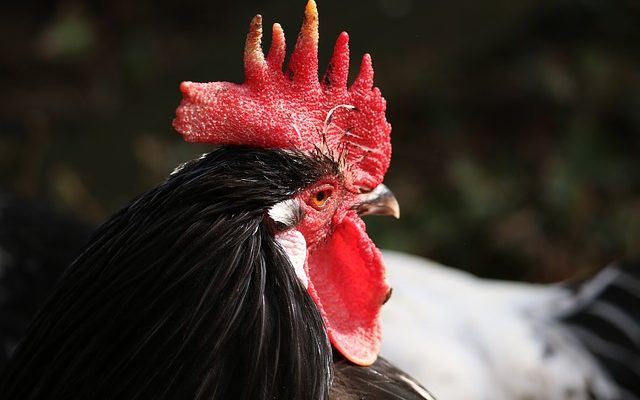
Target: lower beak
379, 201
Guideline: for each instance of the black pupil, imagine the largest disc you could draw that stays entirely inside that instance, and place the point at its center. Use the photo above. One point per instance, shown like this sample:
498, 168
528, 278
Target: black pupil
320, 196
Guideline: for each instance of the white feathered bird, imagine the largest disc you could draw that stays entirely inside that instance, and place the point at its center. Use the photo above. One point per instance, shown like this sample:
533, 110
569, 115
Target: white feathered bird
468, 338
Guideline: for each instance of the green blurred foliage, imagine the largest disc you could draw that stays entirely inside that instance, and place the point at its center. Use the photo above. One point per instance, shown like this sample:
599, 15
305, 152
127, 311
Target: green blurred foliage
516, 124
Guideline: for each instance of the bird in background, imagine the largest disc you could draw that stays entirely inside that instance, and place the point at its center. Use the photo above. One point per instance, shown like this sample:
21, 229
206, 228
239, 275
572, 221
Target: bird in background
470, 338
248, 273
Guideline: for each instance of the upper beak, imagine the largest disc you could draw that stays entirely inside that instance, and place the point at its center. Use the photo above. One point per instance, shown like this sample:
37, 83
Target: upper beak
379, 201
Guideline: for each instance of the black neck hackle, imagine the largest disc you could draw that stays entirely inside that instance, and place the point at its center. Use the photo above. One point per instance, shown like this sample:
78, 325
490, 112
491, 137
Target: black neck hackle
184, 293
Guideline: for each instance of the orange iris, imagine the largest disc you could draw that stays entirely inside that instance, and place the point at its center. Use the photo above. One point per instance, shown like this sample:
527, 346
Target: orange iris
319, 198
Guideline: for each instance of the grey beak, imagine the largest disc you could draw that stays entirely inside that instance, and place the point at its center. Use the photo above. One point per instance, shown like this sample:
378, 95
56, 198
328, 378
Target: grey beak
379, 201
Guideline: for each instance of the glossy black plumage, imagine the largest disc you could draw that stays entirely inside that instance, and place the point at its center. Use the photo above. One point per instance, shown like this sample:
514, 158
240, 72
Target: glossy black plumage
185, 294
380, 381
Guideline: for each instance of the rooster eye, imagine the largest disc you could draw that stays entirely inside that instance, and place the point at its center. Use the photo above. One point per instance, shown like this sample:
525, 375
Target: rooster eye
319, 198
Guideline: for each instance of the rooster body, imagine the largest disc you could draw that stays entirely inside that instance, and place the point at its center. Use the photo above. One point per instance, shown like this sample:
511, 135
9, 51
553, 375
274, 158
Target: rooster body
472, 338
187, 293
248, 274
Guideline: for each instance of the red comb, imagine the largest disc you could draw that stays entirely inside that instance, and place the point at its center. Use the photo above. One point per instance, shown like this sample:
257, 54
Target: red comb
293, 109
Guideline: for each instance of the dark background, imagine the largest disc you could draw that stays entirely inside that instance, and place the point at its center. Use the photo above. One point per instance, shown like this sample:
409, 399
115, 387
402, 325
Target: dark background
516, 124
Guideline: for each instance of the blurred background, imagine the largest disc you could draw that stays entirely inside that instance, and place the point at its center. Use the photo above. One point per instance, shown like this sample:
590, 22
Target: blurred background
516, 125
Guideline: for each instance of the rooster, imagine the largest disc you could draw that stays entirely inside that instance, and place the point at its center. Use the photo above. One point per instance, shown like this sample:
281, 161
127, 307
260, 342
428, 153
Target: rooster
247, 274
477, 339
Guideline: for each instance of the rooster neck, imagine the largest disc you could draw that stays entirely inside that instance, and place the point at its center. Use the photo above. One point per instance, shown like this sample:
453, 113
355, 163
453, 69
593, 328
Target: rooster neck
185, 293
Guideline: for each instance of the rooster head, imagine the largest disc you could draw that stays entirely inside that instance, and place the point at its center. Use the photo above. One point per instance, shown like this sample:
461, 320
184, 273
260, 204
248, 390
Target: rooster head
320, 227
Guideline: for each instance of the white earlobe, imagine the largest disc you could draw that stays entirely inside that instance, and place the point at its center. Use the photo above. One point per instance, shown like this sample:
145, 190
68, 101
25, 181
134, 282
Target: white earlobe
295, 247
287, 213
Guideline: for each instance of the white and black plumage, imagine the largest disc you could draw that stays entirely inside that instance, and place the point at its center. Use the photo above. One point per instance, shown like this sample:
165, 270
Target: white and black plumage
186, 293
477, 339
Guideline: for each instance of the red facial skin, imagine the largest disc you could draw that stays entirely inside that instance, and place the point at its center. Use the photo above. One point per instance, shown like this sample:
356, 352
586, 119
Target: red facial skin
346, 274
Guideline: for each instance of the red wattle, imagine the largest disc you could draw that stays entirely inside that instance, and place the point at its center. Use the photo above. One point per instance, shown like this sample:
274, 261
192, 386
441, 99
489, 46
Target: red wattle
347, 281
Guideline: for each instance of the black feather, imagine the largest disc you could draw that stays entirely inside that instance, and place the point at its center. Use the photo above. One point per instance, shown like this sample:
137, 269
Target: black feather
184, 294
380, 381
606, 319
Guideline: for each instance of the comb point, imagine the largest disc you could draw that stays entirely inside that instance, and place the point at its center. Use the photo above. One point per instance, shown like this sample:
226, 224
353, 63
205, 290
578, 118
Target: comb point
310, 23
185, 87
277, 51
254, 62
338, 70
364, 80
303, 67
311, 9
